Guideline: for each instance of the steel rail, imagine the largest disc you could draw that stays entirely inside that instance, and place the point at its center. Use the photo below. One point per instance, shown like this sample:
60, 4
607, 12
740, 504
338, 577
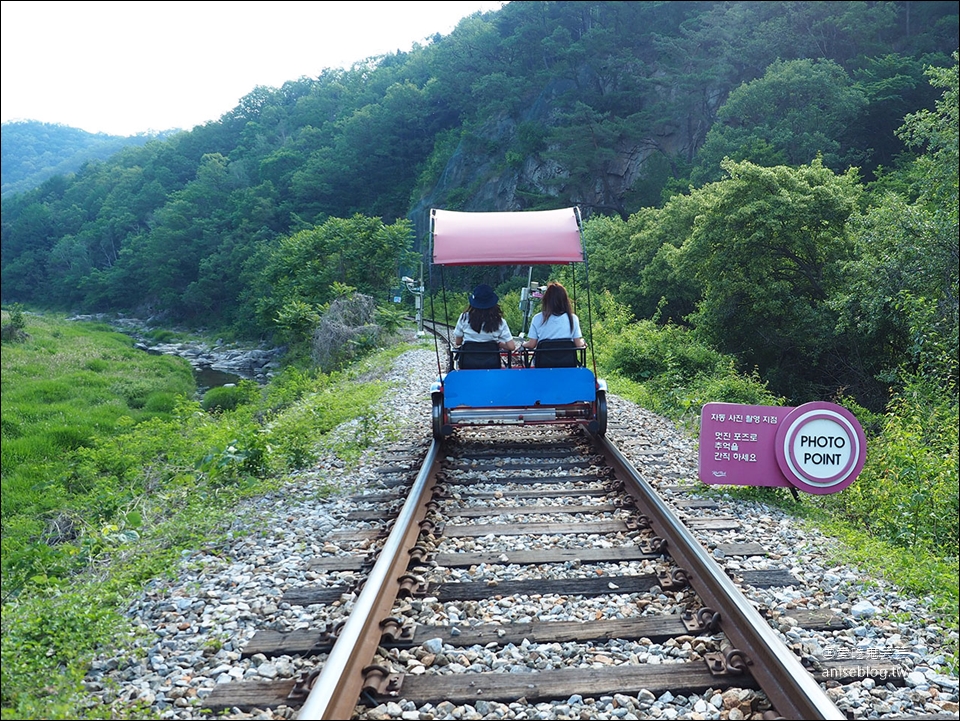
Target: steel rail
337, 688
770, 660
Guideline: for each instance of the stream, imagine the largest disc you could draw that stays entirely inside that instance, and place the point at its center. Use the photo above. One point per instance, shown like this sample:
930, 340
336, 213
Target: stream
214, 364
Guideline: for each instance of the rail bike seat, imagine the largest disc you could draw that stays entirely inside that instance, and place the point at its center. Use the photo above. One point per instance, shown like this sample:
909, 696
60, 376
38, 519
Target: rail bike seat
558, 353
477, 355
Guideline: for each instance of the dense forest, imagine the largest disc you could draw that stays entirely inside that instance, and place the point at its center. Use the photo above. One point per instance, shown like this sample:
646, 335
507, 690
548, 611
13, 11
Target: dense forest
34, 151
777, 176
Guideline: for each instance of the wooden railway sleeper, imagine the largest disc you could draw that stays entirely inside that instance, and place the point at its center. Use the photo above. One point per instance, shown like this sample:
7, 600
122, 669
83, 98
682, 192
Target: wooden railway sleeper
704, 620
380, 681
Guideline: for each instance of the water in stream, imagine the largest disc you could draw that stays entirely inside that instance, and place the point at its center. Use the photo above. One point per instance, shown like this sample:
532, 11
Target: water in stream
208, 378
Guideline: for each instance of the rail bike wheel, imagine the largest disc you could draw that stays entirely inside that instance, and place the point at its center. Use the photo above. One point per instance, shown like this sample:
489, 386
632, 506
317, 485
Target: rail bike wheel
601, 409
437, 416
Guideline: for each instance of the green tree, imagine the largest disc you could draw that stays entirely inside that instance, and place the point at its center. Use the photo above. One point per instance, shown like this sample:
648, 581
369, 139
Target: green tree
538, 105
635, 259
797, 111
302, 271
894, 86
765, 251
585, 147
901, 289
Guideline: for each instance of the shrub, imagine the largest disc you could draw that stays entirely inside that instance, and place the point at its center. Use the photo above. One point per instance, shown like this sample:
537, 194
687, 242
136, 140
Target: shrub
347, 331
296, 320
39, 639
133, 391
646, 350
9, 334
908, 492
161, 335
670, 371
96, 365
13, 331
732, 387
229, 397
161, 402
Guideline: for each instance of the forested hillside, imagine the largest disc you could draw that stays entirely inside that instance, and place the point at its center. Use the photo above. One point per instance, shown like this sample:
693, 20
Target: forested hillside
35, 151
625, 109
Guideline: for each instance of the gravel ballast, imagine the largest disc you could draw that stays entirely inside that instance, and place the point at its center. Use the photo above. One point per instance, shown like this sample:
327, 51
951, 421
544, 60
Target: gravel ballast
190, 629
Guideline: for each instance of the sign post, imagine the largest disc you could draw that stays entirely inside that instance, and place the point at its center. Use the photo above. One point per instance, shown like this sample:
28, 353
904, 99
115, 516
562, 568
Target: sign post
817, 447
417, 290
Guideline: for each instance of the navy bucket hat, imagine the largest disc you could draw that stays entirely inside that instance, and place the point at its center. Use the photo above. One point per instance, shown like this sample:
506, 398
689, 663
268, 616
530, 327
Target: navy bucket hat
483, 297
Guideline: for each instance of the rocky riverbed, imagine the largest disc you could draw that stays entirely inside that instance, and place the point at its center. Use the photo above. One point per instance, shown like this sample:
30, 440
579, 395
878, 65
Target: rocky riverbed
258, 364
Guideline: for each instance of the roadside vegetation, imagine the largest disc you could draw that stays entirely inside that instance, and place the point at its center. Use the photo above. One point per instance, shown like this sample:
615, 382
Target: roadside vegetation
112, 469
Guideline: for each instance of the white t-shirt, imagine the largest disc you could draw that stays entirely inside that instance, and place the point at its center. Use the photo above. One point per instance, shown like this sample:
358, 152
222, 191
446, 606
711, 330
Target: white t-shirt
502, 335
555, 327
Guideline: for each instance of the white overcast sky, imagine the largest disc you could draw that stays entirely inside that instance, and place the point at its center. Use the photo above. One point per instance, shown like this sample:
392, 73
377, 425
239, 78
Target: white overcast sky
130, 67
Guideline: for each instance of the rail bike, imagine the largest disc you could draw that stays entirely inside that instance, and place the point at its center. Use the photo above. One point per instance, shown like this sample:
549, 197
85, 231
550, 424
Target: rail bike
486, 386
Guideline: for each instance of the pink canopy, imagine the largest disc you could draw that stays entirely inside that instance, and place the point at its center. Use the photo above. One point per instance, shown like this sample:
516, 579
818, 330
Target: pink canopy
531, 237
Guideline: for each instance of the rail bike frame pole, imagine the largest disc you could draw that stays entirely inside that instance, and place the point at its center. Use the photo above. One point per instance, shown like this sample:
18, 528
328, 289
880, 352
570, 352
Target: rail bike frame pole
336, 690
526, 304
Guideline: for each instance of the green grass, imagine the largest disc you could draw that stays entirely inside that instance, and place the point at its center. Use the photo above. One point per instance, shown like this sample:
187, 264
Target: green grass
61, 392
110, 472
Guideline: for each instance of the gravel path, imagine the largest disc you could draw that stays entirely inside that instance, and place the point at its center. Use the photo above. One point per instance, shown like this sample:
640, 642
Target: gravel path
191, 630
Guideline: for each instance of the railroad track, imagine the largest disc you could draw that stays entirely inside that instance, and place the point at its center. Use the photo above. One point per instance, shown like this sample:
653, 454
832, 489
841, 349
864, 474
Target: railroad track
530, 566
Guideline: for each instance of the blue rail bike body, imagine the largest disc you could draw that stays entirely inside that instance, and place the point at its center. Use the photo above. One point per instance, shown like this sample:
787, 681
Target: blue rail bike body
516, 396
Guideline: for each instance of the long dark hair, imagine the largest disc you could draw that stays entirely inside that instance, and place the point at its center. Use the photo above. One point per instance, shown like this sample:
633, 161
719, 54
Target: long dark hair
484, 319
555, 301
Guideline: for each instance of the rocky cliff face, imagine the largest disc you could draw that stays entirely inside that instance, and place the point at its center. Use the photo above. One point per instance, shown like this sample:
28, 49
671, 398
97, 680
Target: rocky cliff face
494, 184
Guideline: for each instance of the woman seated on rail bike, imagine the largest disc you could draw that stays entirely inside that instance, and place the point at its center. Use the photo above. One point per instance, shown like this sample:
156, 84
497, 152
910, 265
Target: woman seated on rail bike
556, 326
481, 331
